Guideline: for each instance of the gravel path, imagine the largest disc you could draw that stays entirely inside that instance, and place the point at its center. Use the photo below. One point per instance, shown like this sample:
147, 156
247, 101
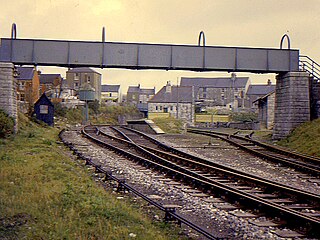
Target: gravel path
200, 210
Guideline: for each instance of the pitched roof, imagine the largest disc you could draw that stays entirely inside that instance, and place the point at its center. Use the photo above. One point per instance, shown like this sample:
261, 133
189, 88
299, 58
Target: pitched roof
133, 89
110, 88
240, 82
260, 89
82, 70
48, 78
137, 89
181, 94
25, 73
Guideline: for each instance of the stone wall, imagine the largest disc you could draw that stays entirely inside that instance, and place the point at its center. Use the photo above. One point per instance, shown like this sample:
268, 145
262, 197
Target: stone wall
8, 91
315, 98
292, 103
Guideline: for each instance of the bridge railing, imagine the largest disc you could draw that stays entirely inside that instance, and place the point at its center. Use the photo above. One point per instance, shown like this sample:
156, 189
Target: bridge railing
309, 65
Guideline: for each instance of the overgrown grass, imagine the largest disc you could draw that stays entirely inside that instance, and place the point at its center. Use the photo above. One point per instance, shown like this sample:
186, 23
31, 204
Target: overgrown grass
46, 195
169, 125
305, 138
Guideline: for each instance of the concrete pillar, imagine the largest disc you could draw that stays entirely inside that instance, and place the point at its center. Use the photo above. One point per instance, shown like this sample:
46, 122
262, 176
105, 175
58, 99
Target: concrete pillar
292, 103
8, 91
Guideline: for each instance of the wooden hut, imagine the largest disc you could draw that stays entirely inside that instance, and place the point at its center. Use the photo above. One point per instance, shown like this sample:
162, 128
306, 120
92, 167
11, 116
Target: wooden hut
44, 110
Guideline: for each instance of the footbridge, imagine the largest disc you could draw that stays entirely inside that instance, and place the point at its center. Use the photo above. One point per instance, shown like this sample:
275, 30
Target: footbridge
198, 58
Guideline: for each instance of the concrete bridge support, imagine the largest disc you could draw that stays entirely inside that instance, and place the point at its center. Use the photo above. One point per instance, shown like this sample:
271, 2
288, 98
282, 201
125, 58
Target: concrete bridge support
8, 91
292, 103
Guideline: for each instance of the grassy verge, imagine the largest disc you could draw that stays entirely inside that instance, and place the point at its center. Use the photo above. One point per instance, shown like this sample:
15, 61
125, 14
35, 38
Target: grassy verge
305, 138
46, 195
169, 125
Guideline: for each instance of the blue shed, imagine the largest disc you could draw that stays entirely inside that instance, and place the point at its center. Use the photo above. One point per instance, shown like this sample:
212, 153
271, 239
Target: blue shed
44, 110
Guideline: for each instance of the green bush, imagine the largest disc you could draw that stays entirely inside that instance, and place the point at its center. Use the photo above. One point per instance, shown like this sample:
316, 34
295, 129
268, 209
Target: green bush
6, 124
244, 117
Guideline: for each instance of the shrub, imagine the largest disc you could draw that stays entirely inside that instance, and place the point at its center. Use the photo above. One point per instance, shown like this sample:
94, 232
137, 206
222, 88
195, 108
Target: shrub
6, 124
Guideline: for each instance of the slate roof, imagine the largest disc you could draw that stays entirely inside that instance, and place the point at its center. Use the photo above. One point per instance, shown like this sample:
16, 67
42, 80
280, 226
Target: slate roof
110, 88
82, 70
145, 91
25, 73
48, 78
240, 82
181, 94
260, 89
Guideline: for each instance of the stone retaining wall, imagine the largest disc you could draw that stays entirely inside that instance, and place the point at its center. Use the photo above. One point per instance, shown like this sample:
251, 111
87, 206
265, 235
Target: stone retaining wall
292, 103
8, 91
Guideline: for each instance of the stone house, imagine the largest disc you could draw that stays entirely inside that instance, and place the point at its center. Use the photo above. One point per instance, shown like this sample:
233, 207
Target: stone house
51, 84
177, 101
266, 105
140, 97
28, 85
257, 91
211, 92
111, 93
79, 77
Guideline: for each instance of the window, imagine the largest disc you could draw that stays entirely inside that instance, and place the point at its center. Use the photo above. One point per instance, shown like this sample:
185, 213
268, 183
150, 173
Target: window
22, 97
110, 94
21, 85
160, 108
76, 76
165, 109
171, 108
44, 109
88, 79
76, 85
157, 108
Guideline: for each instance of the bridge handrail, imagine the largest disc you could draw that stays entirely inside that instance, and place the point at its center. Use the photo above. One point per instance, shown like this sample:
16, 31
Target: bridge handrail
309, 65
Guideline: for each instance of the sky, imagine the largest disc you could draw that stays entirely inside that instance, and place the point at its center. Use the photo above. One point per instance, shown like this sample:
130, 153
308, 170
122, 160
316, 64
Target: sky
237, 23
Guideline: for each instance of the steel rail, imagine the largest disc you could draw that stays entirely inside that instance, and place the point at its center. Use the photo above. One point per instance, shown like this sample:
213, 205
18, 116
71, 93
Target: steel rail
214, 166
312, 167
291, 215
132, 156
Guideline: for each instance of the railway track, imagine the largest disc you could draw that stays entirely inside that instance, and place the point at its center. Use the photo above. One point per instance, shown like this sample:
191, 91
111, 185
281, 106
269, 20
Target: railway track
301, 162
297, 209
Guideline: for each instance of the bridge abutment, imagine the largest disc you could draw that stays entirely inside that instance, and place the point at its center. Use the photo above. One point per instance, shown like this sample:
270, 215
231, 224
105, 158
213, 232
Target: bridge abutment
292, 103
8, 91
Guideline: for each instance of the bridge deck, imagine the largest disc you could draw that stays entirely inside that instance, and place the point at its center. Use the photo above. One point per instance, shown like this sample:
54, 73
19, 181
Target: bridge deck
147, 56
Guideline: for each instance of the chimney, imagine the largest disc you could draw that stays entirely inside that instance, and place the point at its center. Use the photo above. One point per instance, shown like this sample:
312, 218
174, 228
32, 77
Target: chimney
168, 87
269, 82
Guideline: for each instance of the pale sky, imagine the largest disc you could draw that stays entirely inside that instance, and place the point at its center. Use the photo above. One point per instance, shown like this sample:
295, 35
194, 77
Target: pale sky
239, 23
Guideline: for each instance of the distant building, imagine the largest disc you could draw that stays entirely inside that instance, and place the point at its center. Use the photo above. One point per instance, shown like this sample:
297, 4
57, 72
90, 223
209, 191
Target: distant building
177, 101
51, 84
140, 97
111, 93
44, 110
210, 92
78, 77
257, 91
28, 85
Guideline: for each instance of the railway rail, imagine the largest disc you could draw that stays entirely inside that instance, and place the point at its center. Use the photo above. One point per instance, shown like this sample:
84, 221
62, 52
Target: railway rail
292, 206
301, 162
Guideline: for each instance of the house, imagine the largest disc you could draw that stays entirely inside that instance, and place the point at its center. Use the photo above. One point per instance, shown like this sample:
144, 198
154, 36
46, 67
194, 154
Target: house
110, 93
78, 77
257, 91
210, 92
266, 105
28, 85
140, 97
51, 84
44, 110
175, 101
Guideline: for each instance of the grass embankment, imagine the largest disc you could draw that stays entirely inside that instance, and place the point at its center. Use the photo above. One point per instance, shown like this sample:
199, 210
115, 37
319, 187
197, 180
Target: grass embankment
46, 195
305, 139
169, 125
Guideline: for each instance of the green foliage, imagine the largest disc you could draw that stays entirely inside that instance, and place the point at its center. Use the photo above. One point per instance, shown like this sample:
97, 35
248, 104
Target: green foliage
94, 106
59, 111
169, 125
304, 138
6, 124
110, 114
244, 117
